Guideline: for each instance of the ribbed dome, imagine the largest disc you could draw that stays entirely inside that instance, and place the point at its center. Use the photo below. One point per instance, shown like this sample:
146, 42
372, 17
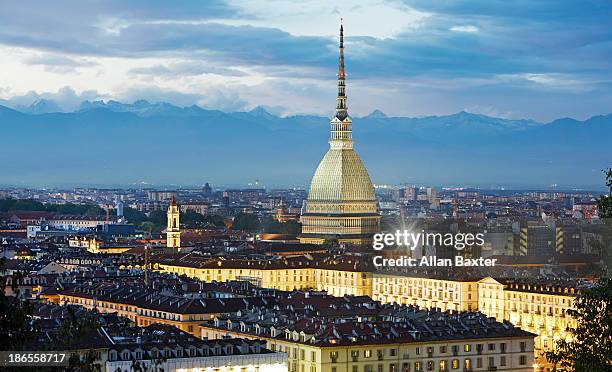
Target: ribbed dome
341, 177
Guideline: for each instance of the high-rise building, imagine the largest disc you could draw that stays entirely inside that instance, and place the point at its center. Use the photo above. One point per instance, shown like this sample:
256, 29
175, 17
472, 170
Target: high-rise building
207, 190
341, 203
173, 230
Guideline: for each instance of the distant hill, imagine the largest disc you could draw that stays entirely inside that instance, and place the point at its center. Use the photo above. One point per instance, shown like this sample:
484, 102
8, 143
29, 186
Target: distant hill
113, 142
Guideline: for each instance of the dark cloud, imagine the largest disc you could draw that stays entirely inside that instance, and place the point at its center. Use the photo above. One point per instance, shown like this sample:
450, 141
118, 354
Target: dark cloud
524, 47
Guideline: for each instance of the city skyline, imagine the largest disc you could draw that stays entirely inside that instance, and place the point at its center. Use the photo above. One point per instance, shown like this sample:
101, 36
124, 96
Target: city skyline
408, 59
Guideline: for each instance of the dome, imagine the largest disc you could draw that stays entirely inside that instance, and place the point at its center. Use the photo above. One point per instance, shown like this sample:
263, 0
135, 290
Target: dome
341, 177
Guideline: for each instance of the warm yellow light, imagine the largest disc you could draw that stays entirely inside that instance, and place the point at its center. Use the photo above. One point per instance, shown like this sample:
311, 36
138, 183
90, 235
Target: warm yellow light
276, 367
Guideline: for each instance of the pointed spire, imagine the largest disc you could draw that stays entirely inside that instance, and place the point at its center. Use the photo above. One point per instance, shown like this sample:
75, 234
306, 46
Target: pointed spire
341, 109
172, 201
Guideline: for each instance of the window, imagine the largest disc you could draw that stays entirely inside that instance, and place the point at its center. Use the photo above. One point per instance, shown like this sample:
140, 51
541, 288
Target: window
430, 366
455, 349
491, 362
455, 364
443, 365
333, 355
302, 354
418, 366
523, 360
442, 349
523, 346
355, 355
467, 348
491, 347
381, 368
502, 361
467, 364
502, 347
313, 356
355, 369
392, 367
367, 353
418, 351
393, 352
405, 367
479, 363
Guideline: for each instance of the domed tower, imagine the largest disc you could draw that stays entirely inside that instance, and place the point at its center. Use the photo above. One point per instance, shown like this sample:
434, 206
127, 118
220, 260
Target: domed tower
341, 204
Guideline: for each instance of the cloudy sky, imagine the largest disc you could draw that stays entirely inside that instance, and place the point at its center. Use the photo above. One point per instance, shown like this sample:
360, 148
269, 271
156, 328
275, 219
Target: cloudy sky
519, 59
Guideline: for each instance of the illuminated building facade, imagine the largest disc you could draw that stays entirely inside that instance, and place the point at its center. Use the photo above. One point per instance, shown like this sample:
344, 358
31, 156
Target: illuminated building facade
538, 308
541, 309
341, 204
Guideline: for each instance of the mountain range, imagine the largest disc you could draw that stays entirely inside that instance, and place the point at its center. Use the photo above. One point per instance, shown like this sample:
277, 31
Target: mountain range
160, 143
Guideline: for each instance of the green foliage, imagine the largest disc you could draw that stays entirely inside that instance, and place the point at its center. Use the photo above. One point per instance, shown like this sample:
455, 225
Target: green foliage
9, 205
591, 347
192, 219
246, 222
15, 317
214, 219
604, 208
134, 216
272, 226
604, 204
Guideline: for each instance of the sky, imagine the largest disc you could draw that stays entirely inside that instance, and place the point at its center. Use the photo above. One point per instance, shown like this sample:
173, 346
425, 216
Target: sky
533, 59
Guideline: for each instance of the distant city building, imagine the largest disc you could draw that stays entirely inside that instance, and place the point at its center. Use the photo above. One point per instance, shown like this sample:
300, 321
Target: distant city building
410, 193
160, 195
207, 190
198, 207
537, 239
341, 203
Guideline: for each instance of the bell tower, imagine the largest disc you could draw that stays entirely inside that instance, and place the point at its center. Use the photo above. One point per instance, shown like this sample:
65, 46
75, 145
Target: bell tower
173, 231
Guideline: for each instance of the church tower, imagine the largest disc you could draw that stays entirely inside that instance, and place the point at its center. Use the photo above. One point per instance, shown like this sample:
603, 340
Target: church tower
341, 203
173, 231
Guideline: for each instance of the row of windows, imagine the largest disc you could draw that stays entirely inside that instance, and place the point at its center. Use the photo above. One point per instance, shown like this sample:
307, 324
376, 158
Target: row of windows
442, 365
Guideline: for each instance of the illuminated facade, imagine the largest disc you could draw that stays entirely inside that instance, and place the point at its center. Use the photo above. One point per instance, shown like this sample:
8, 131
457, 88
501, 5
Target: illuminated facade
537, 308
541, 310
341, 204
173, 230
444, 294
338, 278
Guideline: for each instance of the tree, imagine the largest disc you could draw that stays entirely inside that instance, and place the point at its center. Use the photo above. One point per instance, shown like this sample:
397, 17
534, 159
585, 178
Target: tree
15, 316
192, 219
246, 222
215, 219
604, 204
604, 208
591, 346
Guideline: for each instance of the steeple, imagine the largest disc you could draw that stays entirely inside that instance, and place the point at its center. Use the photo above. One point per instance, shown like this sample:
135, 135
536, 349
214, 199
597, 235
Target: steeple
341, 131
341, 109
